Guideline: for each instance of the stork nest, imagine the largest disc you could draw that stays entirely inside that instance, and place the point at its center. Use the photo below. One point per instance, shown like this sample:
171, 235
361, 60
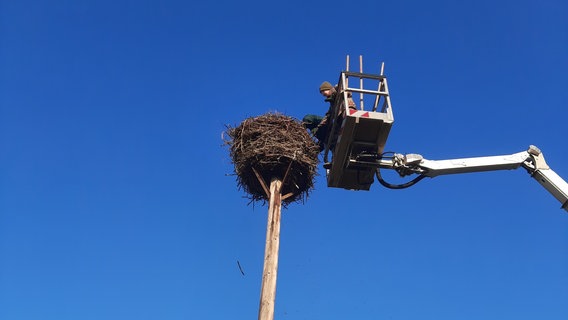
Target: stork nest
276, 146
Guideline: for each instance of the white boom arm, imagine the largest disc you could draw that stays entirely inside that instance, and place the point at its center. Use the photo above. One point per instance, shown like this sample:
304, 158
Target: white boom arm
532, 160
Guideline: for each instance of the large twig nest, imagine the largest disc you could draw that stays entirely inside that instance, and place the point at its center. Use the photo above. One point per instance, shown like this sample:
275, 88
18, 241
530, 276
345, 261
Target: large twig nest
273, 144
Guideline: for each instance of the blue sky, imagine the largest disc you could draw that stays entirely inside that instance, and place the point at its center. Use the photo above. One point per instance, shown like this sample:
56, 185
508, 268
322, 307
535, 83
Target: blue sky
116, 199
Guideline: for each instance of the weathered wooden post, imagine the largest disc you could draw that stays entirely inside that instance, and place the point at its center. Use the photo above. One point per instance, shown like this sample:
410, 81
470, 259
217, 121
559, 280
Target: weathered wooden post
270, 270
277, 149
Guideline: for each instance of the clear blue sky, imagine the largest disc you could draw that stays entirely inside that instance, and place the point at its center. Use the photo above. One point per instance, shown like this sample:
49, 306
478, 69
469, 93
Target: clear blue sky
116, 200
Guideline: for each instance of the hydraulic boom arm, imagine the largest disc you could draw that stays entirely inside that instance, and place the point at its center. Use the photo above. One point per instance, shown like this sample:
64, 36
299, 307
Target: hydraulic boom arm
532, 160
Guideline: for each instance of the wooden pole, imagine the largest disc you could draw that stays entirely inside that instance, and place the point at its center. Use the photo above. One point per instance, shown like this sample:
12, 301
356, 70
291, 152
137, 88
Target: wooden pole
269, 273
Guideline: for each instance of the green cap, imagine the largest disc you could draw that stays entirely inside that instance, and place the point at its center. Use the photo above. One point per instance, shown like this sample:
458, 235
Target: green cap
325, 86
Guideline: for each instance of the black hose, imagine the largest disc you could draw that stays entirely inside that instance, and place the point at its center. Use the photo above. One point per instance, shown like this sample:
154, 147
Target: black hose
398, 186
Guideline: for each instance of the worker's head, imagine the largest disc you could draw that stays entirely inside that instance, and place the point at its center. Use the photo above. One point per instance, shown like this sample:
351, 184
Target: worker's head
326, 89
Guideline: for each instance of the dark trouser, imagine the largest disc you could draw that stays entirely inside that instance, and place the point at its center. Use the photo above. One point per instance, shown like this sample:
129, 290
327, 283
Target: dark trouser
312, 121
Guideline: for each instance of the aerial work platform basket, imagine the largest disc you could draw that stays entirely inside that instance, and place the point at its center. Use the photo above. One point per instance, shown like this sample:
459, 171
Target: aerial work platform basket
358, 132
